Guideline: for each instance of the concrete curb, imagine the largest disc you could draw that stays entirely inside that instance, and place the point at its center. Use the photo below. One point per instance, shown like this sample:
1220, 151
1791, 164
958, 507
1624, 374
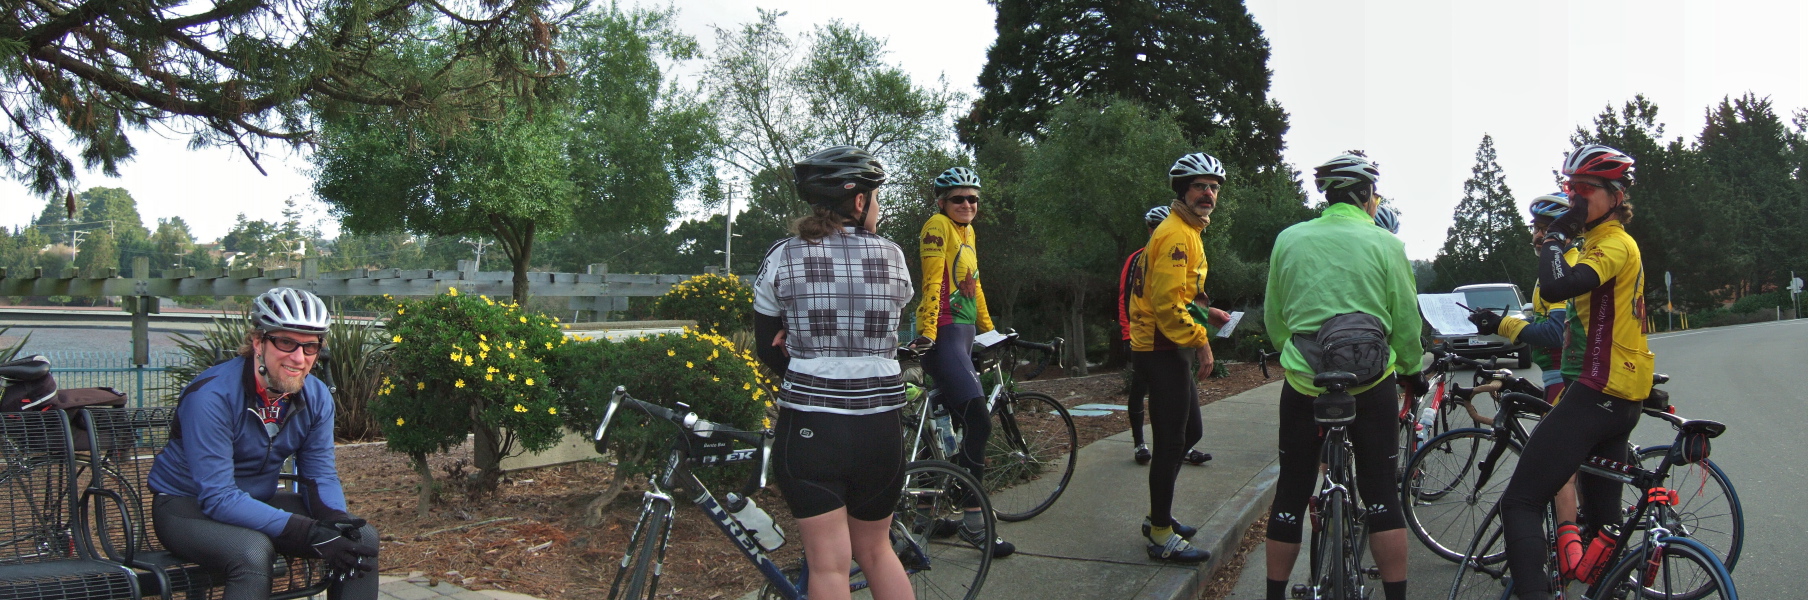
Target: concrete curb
1227, 527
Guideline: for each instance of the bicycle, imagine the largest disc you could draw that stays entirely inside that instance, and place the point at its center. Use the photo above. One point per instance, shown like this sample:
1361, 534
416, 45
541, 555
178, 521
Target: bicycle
1429, 416
1448, 486
933, 494
1339, 530
1031, 452
1668, 564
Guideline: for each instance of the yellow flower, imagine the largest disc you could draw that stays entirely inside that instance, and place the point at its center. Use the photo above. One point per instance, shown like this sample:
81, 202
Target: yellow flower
670, 352
552, 410
688, 365
549, 345
454, 356
520, 408
530, 382
511, 376
489, 377
400, 310
483, 356
489, 369
508, 345
399, 422
524, 319
511, 356
483, 337
467, 360
396, 339
483, 346
460, 384
386, 380
746, 386
715, 379
452, 291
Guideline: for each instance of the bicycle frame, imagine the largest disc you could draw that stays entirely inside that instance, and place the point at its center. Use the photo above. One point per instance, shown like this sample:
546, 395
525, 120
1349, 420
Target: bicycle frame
1656, 536
1336, 454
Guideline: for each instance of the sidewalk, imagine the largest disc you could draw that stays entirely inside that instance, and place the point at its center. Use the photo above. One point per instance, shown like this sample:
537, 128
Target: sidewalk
419, 587
1087, 545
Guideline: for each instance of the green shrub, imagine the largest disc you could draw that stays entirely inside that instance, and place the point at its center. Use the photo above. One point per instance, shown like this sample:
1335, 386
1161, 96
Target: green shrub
707, 372
720, 304
464, 364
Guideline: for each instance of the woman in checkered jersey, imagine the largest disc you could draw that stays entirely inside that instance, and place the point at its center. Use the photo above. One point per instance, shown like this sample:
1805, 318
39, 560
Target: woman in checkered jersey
826, 304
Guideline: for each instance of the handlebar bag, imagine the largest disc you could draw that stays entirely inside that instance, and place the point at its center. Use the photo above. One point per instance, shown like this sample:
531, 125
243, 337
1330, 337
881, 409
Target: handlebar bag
1355, 343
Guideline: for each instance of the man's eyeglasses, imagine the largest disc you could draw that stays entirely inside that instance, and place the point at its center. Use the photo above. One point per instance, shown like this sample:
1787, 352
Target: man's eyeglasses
287, 345
1576, 188
1204, 187
969, 199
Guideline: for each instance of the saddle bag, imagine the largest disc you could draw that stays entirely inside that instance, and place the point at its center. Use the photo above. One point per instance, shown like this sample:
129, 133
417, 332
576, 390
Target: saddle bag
1355, 343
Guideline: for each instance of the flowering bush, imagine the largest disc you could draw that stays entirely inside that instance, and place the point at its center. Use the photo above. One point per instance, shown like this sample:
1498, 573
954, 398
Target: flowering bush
702, 370
720, 304
469, 364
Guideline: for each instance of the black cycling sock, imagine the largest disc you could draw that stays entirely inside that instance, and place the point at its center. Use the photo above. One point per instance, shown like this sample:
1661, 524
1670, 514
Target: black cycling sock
1394, 590
1277, 590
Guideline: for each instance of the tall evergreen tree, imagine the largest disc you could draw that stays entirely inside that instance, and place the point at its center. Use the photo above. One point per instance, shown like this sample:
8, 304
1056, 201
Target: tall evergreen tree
1669, 225
1489, 242
1746, 158
1207, 60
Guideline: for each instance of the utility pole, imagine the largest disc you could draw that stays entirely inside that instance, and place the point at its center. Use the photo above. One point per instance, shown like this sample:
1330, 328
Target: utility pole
728, 237
479, 245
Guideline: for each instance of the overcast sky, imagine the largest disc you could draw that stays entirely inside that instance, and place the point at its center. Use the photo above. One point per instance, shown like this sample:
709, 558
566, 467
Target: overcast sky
1415, 84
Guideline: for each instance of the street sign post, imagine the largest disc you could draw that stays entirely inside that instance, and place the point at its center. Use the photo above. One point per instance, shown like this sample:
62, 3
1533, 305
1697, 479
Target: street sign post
1669, 302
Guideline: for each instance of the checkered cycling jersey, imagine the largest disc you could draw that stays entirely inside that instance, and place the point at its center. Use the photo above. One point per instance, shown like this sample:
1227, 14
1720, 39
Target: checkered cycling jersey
842, 299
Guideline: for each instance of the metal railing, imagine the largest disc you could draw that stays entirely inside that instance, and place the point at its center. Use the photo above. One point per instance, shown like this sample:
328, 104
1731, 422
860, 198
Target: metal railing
85, 369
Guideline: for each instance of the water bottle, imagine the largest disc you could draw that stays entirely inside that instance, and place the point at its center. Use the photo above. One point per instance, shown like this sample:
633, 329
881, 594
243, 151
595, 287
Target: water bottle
944, 429
1426, 417
1594, 560
756, 521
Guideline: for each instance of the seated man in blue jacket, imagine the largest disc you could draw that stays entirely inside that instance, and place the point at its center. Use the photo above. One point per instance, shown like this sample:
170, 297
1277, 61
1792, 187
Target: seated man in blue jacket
216, 500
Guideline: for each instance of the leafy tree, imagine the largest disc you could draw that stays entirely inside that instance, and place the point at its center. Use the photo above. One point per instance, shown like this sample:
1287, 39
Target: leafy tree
97, 253
255, 238
111, 209
1669, 225
609, 155
238, 73
1748, 163
1207, 60
172, 240
1489, 241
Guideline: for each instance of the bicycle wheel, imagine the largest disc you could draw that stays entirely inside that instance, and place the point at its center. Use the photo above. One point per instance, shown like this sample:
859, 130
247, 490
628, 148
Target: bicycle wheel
1684, 571
1451, 484
638, 575
1030, 456
943, 567
1482, 568
1707, 508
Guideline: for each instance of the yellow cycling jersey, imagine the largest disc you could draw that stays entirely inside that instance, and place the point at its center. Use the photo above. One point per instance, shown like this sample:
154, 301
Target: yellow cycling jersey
1173, 276
951, 290
1615, 357
1510, 326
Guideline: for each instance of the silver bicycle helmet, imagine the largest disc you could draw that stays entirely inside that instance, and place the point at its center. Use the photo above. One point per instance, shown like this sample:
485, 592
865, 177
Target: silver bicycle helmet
1155, 216
290, 309
1194, 165
1550, 206
956, 177
1385, 218
1345, 171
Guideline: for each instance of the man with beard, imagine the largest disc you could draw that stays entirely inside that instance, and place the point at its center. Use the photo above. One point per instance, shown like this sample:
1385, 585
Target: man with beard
216, 500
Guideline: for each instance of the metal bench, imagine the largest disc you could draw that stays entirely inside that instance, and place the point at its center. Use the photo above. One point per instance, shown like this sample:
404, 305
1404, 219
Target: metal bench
45, 553
126, 442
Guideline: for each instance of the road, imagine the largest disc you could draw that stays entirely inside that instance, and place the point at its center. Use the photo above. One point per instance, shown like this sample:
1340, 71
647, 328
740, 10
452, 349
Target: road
1741, 376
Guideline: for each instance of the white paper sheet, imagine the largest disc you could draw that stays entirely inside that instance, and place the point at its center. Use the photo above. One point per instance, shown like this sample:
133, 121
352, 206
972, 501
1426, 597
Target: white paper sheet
989, 339
1442, 312
1231, 325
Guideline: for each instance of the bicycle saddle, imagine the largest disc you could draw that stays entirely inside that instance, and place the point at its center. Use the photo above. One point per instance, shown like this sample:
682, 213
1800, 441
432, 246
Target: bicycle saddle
1334, 379
30, 368
1705, 427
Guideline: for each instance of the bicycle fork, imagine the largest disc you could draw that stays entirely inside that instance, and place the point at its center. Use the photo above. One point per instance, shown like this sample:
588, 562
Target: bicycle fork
655, 504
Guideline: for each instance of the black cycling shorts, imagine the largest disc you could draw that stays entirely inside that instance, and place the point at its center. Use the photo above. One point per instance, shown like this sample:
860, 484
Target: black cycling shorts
1374, 437
824, 461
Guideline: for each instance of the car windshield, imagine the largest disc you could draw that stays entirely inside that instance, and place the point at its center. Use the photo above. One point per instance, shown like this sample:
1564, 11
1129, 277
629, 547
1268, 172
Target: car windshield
1494, 298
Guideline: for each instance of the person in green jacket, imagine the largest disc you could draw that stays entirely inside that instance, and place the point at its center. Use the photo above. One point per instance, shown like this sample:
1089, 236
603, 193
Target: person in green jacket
1336, 264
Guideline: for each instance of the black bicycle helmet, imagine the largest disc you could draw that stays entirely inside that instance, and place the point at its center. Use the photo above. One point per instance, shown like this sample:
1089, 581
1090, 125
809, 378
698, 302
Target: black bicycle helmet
836, 173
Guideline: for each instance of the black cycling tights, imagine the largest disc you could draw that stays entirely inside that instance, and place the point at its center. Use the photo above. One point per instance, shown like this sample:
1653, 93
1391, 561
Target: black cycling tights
1372, 436
246, 555
1586, 423
1173, 422
1139, 389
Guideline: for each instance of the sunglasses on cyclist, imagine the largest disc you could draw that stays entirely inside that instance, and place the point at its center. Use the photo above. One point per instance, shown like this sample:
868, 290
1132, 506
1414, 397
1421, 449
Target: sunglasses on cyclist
968, 199
1576, 188
1204, 186
287, 345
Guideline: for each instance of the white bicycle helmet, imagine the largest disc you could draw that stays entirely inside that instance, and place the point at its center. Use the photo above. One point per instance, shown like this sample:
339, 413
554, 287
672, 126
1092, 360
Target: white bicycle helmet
290, 309
1385, 219
1550, 206
1346, 170
1155, 216
956, 177
1194, 165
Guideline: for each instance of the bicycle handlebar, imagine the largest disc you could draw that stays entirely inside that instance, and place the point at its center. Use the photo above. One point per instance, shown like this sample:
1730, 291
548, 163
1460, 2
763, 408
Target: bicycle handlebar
690, 422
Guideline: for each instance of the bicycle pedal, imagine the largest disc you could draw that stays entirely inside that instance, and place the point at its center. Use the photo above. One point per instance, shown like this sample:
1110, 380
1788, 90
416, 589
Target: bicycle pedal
1301, 591
1372, 572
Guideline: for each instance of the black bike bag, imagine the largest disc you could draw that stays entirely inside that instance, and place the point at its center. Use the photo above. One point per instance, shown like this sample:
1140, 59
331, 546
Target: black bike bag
1354, 343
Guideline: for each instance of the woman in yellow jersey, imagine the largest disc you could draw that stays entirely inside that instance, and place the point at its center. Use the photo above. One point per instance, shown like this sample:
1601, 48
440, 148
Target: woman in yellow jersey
1599, 409
1167, 333
950, 312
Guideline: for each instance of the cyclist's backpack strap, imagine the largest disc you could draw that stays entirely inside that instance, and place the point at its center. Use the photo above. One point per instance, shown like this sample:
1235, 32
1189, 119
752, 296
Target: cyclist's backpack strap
1355, 343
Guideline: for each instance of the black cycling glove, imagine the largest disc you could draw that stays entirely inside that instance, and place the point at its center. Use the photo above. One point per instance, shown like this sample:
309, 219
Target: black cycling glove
1416, 384
1486, 322
342, 554
1571, 223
